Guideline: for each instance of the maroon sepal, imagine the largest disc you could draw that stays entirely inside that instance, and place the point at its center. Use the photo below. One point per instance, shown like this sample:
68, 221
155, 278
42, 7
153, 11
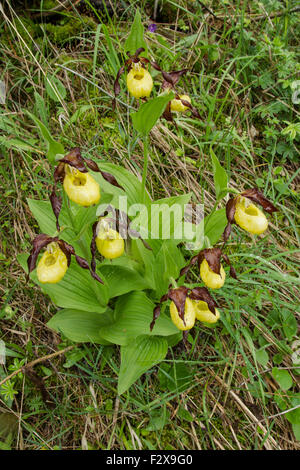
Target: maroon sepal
56, 204
39, 242
179, 296
257, 196
42, 240
172, 78
202, 293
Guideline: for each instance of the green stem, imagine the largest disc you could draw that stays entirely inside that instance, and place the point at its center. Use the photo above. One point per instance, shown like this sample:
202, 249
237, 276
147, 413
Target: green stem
145, 168
81, 242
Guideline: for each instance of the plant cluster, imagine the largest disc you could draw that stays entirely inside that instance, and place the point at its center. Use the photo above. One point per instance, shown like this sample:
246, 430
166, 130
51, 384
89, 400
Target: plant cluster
114, 297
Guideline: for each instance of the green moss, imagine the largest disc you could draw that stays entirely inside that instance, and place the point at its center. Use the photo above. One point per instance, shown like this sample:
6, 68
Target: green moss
68, 28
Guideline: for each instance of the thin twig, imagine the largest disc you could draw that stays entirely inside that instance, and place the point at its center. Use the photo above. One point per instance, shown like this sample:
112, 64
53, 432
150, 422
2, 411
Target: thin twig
36, 361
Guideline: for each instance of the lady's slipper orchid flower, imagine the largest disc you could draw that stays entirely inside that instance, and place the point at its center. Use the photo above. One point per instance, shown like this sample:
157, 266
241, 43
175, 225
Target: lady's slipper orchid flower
182, 308
109, 233
53, 265
139, 80
241, 211
109, 242
189, 315
180, 103
211, 270
203, 313
56, 259
79, 185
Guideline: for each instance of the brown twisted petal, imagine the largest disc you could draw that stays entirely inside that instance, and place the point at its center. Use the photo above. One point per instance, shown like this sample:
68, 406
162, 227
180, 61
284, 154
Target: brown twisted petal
155, 66
67, 249
92, 165
117, 87
74, 158
94, 248
257, 196
186, 268
39, 242
156, 311
178, 296
111, 179
230, 211
167, 113
56, 204
202, 293
59, 173
172, 78
138, 52
232, 271
194, 110
213, 256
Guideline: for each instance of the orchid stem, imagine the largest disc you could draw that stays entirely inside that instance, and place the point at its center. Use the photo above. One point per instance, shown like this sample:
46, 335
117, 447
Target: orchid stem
145, 168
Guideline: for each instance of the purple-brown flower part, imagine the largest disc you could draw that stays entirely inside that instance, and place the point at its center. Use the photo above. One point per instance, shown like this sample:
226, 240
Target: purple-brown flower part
202, 293
172, 78
254, 195
42, 240
213, 257
39, 242
257, 196
179, 295
132, 59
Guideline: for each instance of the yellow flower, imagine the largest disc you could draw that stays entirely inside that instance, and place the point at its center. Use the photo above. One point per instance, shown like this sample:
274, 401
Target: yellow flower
249, 217
204, 314
189, 315
81, 187
210, 278
52, 266
109, 243
139, 82
177, 105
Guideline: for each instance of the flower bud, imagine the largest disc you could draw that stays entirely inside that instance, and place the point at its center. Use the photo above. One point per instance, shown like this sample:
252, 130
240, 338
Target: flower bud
177, 105
249, 217
81, 187
204, 314
52, 266
189, 315
210, 278
139, 82
109, 243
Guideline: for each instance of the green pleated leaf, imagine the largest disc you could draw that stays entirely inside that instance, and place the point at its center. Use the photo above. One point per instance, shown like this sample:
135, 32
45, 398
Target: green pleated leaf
121, 280
220, 176
83, 218
80, 326
139, 356
168, 263
76, 290
215, 225
133, 315
136, 39
131, 184
54, 147
148, 114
